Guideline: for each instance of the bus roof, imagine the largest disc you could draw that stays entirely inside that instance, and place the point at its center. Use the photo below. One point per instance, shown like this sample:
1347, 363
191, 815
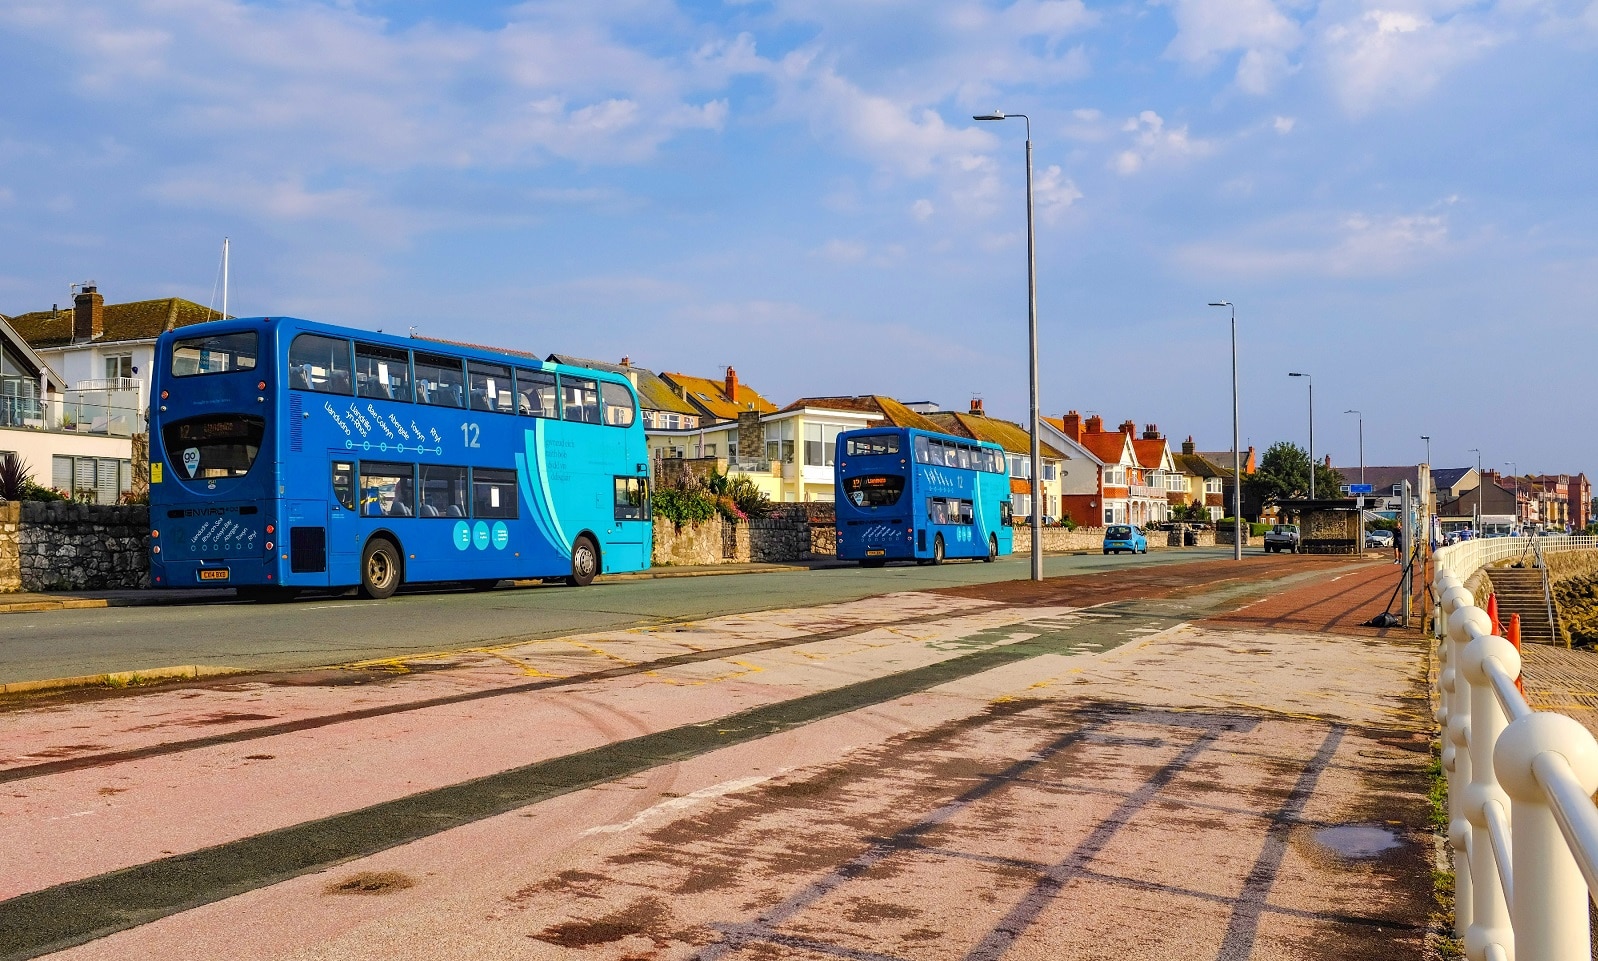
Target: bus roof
918, 432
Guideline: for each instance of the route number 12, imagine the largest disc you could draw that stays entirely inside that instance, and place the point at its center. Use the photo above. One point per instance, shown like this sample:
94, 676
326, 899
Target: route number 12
470, 434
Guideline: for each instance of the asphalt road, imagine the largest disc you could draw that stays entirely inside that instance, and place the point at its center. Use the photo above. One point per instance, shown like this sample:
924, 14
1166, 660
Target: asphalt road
317, 632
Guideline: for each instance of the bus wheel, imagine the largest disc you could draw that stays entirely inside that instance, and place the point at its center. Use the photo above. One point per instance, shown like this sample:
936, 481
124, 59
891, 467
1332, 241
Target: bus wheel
993, 549
937, 550
380, 569
585, 562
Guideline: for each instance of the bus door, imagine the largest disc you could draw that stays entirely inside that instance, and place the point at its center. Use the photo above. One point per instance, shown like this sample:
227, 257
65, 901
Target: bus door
630, 537
343, 522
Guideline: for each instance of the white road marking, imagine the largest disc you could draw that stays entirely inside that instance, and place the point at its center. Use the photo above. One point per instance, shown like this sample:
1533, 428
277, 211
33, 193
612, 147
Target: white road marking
686, 801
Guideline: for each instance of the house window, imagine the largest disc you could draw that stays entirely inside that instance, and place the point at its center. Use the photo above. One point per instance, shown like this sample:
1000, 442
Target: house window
1020, 467
1398, 490
1212, 485
779, 442
119, 367
668, 421
1049, 471
99, 479
710, 450
821, 441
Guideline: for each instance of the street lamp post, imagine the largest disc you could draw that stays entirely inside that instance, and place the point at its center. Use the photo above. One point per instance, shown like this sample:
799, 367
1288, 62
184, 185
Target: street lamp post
1514, 471
1479, 481
1237, 455
1428, 439
1312, 433
1032, 351
1361, 443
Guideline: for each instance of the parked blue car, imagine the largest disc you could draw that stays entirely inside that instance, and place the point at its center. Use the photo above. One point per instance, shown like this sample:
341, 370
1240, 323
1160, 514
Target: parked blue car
1124, 537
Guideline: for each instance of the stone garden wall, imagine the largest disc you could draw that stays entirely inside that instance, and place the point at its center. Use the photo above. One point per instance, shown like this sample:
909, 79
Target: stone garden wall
61, 546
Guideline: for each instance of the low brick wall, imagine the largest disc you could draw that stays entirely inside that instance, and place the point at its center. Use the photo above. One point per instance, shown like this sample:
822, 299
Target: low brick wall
60, 546
696, 543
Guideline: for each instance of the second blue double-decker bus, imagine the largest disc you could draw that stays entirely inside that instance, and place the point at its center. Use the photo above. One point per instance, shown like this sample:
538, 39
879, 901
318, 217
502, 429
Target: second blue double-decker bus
906, 494
286, 454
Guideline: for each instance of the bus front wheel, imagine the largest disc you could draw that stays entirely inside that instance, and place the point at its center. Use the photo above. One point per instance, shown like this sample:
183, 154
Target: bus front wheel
937, 550
993, 549
585, 562
380, 569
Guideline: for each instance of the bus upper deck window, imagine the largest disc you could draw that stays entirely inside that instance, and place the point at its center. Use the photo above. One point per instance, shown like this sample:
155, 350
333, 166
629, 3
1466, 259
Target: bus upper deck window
382, 372
535, 393
490, 385
618, 404
439, 381
216, 354
321, 364
580, 399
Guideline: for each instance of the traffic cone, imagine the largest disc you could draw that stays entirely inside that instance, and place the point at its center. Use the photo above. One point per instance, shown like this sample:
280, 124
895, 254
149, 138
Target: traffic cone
1514, 638
1492, 614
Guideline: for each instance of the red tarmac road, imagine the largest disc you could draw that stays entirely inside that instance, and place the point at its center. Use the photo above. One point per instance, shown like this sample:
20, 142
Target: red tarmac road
1153, 764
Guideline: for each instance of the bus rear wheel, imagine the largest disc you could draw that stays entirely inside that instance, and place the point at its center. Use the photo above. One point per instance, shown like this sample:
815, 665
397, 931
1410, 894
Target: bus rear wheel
585, 562
937, 550
380, 569
993, 549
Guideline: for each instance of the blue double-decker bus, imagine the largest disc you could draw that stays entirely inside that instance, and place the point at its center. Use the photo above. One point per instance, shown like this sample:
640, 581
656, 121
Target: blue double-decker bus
906, 494
287, 455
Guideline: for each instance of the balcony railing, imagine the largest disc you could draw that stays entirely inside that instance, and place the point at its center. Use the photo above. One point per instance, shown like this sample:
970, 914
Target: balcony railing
92, 415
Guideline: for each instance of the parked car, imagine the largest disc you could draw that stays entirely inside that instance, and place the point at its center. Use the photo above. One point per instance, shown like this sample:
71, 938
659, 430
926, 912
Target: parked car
1124, 537
1282, 537
1378, 538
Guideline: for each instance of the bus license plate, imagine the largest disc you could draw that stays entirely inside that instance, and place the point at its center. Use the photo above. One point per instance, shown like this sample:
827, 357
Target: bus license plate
213, 574
875, 553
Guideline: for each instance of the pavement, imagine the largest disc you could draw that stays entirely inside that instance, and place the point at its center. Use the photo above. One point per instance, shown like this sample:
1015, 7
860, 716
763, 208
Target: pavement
1145, 763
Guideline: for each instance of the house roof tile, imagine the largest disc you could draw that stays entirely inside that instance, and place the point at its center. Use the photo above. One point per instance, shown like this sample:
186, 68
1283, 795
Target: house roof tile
889, 409
710, 396
1007, 434
139, 320
1150, 453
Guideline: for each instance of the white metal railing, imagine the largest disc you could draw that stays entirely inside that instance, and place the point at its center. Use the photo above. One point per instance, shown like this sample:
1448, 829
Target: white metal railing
1521, 823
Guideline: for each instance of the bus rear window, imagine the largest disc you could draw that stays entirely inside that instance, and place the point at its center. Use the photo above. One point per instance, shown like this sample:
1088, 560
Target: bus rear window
874, 490
216, 354
221, 445
872, 444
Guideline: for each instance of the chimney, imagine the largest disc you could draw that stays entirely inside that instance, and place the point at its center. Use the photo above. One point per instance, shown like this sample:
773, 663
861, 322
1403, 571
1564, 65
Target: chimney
1188, 447
88, 315
976, 407
626, 361
1151, 432
1129, 428
1095, 424
1073, 426
731, 386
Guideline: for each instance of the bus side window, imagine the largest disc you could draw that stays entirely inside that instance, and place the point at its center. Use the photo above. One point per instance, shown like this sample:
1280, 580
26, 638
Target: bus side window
923, 450
937, 510
383, 373
344, 484
443, 491
320, 363
493, 492
439, 380
490, 386
535, 393
580, 399
1006, 513
618, 404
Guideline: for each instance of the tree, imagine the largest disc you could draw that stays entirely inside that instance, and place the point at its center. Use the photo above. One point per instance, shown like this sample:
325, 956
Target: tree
1283, 473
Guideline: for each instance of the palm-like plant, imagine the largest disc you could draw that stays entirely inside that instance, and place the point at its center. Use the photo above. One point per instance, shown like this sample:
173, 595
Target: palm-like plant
13, 477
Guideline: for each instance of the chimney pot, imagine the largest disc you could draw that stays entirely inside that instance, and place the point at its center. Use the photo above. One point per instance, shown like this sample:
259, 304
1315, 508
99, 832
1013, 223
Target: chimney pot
976, 406
731, 385
626, 361
1129, 428
1095, 424
1073, 426
1151, 432
1188, 447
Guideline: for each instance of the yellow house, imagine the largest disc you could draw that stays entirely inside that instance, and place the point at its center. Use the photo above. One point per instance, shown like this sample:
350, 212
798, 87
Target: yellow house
788, 454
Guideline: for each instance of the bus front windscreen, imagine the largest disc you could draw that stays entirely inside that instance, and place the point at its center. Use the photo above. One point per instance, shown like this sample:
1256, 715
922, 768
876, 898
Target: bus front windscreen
217, 445
874, 490
214, 354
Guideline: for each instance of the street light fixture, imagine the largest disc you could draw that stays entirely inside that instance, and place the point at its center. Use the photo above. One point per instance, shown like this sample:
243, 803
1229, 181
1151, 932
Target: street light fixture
1312, 433
1428, 439
1237, 455
1032, 350
1361, 443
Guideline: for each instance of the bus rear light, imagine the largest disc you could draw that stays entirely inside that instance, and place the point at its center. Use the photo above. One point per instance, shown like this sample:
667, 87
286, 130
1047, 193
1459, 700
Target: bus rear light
164, 395
270, 529
268, 545
261, 385
155, 533
156, 549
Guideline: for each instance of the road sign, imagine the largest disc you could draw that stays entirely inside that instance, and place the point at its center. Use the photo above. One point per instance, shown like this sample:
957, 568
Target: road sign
1359, 488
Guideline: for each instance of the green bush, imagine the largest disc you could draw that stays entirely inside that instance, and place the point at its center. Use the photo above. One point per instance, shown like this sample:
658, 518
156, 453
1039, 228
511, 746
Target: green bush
684, 506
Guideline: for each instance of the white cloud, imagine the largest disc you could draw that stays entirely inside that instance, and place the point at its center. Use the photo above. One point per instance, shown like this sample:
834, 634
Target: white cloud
1053, 192
921, 210
1208, 30
1377, 57
1153, 143
1351, 245
843, 251
1283, 125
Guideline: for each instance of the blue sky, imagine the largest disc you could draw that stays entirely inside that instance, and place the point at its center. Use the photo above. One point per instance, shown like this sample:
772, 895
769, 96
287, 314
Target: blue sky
1397, 194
